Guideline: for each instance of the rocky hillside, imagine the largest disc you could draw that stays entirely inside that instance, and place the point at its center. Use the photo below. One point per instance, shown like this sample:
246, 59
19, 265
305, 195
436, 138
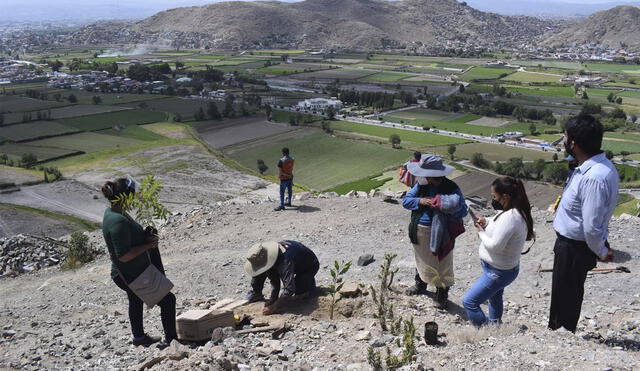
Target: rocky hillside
56, 319
353, 24
616, 28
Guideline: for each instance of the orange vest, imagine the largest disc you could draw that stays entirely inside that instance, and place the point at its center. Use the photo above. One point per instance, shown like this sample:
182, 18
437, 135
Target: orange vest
286, 168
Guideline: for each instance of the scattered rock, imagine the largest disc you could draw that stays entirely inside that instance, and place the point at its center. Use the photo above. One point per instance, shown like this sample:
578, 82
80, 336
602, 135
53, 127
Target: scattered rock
362, 335
365, 260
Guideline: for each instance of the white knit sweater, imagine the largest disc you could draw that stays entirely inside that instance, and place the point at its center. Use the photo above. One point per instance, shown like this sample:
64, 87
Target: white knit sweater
503, 240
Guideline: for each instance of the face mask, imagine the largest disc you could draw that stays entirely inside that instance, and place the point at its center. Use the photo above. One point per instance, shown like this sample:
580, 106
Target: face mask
496, 205
422, 180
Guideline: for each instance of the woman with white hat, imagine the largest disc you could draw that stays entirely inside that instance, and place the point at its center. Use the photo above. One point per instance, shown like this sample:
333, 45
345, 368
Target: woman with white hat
437, 208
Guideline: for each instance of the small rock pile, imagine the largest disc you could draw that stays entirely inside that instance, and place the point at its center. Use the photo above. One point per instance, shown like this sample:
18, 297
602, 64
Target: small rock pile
22, 254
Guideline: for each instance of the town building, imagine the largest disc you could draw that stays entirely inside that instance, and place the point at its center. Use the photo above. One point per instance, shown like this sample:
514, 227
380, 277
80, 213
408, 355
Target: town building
319, 104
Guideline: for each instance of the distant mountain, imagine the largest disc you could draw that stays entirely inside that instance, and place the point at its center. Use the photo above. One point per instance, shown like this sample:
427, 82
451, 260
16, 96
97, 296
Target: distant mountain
547, 8
353, 24
617, 27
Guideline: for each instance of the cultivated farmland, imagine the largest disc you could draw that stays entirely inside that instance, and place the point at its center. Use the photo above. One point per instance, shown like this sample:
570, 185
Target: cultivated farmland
386, 77
109, 120
323, 161
184, 107
85, 142
420, 138
484, 73
10, 103
493, 152
33, 130
42, 153
533, 77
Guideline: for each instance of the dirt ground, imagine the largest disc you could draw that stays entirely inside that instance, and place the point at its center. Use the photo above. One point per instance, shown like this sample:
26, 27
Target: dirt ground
489, 122
14, 222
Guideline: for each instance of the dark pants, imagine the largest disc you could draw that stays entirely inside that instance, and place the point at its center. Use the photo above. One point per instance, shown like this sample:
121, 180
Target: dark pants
167, 312
572, 260
306, 282
286, 184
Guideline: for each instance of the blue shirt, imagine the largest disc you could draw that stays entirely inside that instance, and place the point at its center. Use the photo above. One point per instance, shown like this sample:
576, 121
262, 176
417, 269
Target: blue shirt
411, 202
588, 202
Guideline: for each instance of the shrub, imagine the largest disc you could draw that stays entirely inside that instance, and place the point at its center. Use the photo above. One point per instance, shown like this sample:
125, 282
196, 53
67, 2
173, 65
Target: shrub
79, 251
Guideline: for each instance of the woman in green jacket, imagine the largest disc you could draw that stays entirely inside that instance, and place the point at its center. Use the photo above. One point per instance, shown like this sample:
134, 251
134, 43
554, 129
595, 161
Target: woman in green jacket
132, 249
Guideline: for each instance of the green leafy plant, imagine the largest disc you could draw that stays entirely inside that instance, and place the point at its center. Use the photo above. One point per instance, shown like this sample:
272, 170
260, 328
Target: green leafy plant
384, 310
337, 272
79, 251
145, 201
374, 359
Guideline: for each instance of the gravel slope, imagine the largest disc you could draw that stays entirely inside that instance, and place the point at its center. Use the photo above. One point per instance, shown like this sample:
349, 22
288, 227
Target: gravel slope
78, 318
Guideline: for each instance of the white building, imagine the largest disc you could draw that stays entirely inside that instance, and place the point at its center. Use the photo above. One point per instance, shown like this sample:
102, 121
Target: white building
319, 104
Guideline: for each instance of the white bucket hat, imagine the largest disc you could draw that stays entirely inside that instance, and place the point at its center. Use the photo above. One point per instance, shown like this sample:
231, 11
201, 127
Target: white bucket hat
429, 166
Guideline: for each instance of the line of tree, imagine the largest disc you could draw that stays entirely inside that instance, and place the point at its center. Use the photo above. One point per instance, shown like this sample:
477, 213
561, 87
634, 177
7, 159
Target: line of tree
377, 100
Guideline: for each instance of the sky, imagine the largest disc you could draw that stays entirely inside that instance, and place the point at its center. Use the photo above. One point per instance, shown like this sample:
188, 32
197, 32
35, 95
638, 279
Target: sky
39, 10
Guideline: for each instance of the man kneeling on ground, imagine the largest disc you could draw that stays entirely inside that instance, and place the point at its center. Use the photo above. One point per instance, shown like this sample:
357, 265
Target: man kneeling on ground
288, 261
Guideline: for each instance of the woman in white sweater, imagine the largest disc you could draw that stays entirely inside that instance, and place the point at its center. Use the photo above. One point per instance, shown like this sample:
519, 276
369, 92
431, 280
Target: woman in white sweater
502, 239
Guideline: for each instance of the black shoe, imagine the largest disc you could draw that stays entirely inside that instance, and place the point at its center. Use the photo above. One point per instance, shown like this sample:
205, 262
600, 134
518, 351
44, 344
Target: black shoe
442, 297
163, 344
288, 204
279, 208
417, 290
146, 340
252, 298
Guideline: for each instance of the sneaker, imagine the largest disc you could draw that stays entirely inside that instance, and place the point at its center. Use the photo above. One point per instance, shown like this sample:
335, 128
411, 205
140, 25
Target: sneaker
416, 290
163, 345
279, 208
145, 340
288, 204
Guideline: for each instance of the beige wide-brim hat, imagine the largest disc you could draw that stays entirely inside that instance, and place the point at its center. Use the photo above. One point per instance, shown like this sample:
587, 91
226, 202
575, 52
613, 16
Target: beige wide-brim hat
261, 257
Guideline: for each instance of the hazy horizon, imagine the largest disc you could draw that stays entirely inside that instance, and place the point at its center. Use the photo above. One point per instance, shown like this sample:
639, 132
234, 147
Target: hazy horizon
43, 10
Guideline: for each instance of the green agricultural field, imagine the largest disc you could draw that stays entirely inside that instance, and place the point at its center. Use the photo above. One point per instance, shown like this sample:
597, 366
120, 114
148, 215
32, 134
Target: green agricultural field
33, 130
525, 77
111, 119
14, 103
493, 152
461, 127
230, 62
375, 66
523, 127
628, 69
109, 59
630, 94
576, 66
618, 145
485, 73
366, 184
280, 71
85, 142
16, 151
558, 91
323, 161
419, 138
622, 85
386, 77
419, 113
278, 52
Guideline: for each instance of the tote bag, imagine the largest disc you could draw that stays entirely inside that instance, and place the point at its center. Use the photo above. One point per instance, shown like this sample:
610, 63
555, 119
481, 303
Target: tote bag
150, 286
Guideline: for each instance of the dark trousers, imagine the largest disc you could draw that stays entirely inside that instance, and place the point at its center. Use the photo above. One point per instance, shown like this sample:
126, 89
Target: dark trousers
286, 185
306, 282
167, 312
572, 260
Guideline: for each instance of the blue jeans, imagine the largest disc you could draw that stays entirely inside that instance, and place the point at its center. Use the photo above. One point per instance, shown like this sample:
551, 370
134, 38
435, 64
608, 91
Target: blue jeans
286, 184
490, 286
